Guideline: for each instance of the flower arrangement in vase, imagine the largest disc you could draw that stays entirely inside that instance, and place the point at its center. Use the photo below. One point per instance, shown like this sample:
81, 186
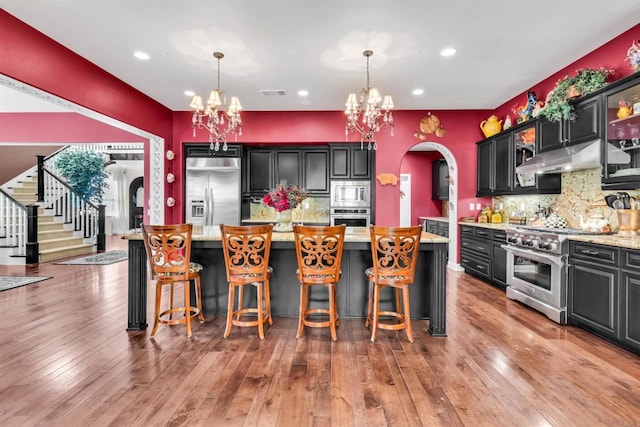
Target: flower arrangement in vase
283, 198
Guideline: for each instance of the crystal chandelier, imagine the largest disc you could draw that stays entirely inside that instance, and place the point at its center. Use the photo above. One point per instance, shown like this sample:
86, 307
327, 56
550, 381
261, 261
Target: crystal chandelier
217, 114
375, 111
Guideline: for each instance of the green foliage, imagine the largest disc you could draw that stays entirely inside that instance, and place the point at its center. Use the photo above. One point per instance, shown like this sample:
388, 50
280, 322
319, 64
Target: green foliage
586, 80
84, 171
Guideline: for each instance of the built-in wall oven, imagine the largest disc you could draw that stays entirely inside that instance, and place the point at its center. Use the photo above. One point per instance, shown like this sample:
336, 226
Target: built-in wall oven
537, 270
351, 217
350, 203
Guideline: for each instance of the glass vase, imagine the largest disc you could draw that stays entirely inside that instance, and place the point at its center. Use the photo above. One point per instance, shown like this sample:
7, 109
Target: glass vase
283, 221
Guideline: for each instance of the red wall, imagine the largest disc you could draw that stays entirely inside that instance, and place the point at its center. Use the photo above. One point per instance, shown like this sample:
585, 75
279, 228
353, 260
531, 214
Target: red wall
611, 55
35, 59
321, 127
64, 128
418, 164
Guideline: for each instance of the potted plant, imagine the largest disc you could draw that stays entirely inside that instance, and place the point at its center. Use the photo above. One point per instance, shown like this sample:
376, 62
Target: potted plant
84, 171
586, 80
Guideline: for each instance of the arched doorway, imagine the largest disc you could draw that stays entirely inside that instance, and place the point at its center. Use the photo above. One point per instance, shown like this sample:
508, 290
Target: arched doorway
453, 195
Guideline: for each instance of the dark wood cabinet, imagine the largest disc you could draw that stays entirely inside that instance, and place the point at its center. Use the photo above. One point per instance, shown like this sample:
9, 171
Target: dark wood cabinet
593, 297
306, 167
630, 309
315, 168
499, 258
433, 226
604, 292
584, 127
258, 169
439, 180
481, 253
348, 161
498, 158
495, 170
287, 166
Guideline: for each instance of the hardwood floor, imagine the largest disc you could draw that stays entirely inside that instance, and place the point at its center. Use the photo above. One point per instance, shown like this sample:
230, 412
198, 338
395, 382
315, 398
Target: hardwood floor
66, 359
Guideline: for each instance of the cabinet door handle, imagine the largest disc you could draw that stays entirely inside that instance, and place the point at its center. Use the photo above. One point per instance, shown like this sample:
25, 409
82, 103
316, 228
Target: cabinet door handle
588, 252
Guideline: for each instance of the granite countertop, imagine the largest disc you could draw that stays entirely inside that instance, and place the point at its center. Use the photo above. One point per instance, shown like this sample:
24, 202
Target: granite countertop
599, 239
495, 226
353, 234
608, 240
435, 218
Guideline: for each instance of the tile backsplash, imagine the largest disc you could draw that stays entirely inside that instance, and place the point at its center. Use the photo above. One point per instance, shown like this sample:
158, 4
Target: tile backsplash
581, 195
312, 209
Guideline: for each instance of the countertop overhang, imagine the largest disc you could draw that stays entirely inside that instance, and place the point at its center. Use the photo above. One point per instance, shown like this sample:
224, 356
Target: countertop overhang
352, 234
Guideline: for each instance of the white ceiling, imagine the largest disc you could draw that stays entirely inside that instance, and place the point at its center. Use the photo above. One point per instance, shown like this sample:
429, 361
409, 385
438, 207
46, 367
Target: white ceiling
504, 46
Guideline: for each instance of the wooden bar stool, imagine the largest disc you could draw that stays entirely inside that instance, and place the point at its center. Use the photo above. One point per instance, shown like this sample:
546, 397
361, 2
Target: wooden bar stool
394, 251
246, 255
319, 253
168, 249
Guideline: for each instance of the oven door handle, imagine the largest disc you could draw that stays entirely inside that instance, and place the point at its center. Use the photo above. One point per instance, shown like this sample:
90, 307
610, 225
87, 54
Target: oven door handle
536, 256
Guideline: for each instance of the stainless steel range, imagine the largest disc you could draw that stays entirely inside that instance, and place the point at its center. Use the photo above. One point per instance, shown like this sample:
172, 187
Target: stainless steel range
537, 268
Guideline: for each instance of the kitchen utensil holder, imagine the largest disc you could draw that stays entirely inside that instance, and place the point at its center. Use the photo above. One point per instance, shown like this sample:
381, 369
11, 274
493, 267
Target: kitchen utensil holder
628, 221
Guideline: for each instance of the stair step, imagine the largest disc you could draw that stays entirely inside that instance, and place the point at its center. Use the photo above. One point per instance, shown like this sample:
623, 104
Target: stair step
59, 243
24, 190
49, 225
61, 253
54, 234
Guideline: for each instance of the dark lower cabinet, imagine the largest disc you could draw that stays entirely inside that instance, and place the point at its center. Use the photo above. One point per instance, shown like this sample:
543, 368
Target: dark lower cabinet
604, 292
630, 310
481, 253
593, 298
499, 258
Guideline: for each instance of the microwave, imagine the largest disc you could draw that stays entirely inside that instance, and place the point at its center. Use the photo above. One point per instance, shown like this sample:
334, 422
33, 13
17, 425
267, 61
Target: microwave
351, 194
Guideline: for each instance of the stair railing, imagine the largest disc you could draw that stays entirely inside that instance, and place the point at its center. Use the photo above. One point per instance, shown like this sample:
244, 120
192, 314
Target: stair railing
13, 223
85, 217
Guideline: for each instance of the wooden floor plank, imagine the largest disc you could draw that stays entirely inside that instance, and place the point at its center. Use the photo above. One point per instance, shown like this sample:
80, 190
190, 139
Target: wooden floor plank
66, 359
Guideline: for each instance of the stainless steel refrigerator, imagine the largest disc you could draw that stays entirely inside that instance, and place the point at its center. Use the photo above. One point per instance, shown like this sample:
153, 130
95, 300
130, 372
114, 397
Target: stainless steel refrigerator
212, 191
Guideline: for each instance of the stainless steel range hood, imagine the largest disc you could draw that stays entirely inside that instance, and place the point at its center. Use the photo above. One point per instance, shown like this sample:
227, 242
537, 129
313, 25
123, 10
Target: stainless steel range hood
575, 157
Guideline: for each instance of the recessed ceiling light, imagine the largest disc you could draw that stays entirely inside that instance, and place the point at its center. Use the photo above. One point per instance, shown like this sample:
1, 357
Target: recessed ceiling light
141, 55
189, 93
303, 92
449, 51
418, 91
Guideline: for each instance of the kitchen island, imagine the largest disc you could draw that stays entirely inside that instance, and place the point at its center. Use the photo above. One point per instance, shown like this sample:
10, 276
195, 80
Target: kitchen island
428, 295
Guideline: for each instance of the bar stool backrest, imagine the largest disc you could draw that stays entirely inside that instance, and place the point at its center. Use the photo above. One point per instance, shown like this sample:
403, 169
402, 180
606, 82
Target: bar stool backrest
395, 253
319, 252
168, 250
246, 252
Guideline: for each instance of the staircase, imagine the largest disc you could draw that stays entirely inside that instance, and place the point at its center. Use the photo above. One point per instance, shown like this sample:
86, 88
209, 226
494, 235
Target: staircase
56, 239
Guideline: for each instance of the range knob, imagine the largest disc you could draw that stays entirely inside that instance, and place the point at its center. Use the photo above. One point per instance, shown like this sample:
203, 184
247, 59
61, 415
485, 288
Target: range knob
512, 240
529, 243
547, 246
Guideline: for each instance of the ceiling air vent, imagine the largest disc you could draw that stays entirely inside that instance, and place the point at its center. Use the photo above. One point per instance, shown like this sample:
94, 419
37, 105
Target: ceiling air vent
273, 92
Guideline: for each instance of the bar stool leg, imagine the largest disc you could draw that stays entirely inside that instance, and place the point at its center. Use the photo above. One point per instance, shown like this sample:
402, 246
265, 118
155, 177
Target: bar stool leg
369, 305
303, 309
260, 313
187, 306
376, 309
240, 301
407, 312
267, 296
157, 308
198, 291
232, 295
332, 311
171, 301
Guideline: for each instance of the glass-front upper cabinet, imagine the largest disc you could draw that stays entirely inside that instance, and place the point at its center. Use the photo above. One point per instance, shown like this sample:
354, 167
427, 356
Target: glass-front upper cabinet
621, 156
525, 146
